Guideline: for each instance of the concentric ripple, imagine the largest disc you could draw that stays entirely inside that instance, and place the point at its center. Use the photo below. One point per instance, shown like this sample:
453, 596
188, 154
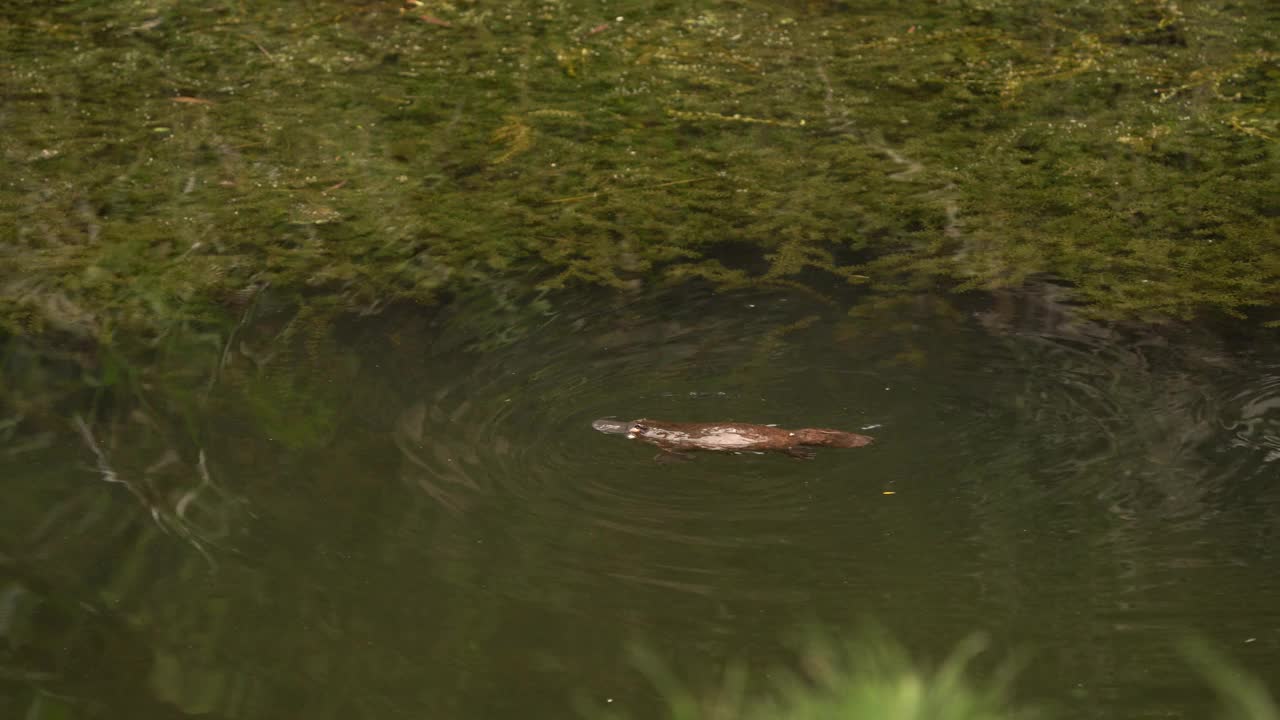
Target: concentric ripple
1255, 422
1018, 411
513, 421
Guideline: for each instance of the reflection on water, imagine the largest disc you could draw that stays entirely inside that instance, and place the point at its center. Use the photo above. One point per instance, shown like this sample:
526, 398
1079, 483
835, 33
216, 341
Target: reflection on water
453, 537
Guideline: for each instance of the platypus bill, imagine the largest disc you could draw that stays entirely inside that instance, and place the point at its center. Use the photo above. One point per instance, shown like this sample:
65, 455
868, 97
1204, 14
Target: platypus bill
675, 438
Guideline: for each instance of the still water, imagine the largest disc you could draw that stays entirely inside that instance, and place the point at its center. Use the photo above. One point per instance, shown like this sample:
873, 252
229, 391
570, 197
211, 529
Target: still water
415, 519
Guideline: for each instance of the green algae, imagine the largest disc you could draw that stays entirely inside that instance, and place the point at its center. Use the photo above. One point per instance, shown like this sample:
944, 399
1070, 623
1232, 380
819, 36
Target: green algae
165, 158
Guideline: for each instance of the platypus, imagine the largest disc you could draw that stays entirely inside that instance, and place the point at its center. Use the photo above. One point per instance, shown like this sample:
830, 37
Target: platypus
675, 438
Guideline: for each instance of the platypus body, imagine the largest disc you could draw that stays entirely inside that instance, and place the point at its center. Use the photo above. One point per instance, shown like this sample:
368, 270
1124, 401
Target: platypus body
676, 438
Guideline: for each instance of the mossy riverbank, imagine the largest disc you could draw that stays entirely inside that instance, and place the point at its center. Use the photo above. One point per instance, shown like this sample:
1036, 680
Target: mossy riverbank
168, 160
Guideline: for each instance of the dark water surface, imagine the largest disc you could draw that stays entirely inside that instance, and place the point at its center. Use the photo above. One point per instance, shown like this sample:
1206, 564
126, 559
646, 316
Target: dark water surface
420, 521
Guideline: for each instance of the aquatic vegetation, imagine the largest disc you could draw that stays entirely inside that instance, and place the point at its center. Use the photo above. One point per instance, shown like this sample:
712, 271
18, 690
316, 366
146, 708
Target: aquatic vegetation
870, 679
1243, 696
875, 678
168, 157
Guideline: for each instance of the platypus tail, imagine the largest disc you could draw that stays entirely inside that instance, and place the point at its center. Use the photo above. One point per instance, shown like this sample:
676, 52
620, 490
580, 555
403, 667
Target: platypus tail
832, 438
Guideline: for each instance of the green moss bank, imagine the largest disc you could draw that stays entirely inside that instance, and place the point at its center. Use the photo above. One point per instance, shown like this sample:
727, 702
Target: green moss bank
164, 160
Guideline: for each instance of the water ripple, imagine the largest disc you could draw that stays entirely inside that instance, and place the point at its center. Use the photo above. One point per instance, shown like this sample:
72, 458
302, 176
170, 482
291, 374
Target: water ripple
1018, 412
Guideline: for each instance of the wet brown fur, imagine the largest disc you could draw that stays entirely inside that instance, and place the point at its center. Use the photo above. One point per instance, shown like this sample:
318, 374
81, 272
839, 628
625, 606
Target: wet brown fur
740, 437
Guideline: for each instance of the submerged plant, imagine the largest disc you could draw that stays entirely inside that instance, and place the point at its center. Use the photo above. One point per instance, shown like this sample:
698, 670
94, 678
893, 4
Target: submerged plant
876, 679
873, 679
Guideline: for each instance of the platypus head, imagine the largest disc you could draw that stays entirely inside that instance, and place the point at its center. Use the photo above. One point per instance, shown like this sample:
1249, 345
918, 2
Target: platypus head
832, 438
613, 427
